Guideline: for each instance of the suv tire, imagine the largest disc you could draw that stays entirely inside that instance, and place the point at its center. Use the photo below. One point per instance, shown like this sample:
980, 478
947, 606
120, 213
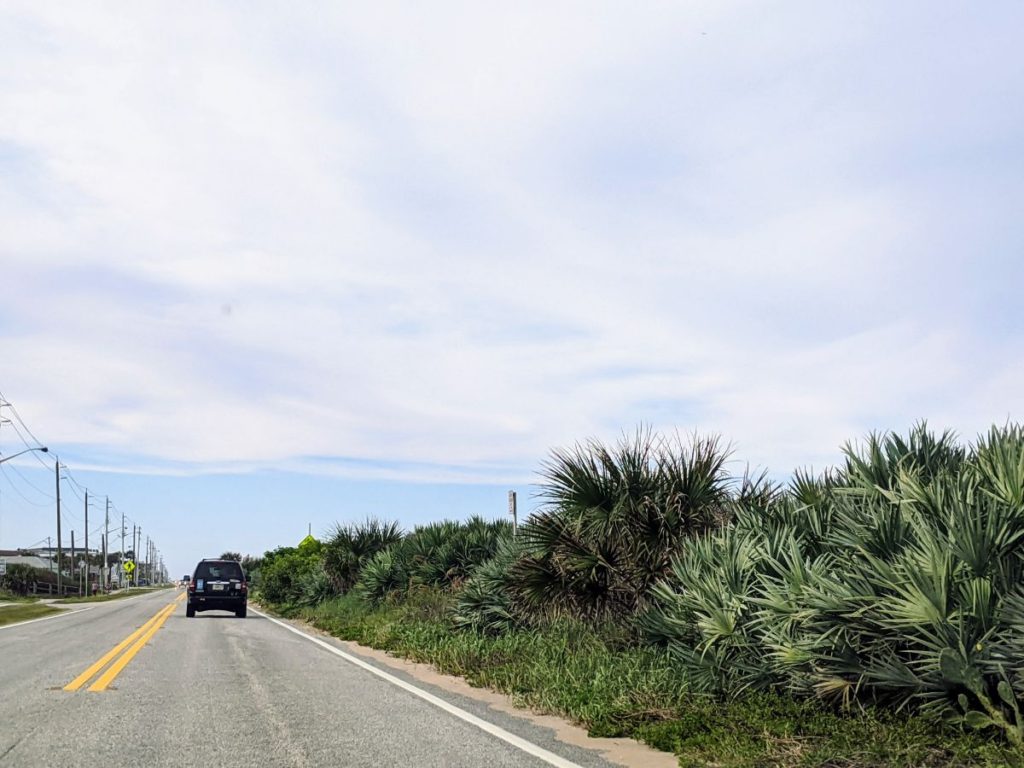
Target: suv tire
190, 612
240, 613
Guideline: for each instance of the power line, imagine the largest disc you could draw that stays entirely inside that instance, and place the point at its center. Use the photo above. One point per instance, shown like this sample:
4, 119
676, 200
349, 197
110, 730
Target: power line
17, 415
74, 491
66, 513
29, 482
27, 500
21, 437
128, 519
70, 476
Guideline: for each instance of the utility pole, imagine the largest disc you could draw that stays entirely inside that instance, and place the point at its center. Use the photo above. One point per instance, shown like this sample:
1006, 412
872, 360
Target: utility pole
135, 557
88, 567
120, 573
138, 546
60, 551
72, 555
106, 545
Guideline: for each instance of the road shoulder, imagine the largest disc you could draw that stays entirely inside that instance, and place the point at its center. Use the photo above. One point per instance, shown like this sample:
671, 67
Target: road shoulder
618, 751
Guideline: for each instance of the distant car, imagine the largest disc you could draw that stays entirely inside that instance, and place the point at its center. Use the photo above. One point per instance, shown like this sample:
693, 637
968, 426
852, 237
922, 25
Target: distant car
185, 580
218, 585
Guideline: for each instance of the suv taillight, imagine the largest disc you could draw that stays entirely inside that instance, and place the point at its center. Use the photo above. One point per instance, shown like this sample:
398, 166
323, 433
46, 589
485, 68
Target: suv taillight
191, 586
245, 587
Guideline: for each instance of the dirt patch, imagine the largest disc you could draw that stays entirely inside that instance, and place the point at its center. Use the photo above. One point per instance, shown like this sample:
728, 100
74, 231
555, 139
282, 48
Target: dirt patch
625, 752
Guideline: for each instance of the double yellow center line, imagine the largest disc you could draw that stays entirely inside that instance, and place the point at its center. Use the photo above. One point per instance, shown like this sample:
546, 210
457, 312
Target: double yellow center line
136, 640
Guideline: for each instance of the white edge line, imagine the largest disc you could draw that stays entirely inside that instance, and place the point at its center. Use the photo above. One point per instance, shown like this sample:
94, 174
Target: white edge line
60, 615
516, 741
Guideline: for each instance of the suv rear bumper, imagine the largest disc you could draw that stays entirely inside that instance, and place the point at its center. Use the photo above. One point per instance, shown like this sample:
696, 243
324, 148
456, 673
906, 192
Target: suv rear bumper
216, 602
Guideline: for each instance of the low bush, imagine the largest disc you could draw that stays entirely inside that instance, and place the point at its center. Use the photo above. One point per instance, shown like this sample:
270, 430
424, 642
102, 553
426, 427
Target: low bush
292, 575
351, 547
20, 578
576, 671
439, 555
612, 518
655, 595
897, 581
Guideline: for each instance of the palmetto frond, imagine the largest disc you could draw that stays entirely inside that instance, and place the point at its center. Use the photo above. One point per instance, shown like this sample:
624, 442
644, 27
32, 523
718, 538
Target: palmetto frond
350, 547
613, 516
896, 579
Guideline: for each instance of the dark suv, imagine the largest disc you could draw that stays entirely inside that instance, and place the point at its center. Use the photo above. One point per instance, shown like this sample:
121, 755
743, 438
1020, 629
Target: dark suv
218, 585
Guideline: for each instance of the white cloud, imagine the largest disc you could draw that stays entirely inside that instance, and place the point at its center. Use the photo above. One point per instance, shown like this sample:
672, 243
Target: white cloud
454, 237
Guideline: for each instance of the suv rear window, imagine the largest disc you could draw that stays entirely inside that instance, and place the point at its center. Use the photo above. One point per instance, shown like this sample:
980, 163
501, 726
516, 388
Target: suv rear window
219, 571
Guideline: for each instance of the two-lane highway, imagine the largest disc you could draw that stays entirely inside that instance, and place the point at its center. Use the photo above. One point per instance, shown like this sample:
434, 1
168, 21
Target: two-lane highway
135, 682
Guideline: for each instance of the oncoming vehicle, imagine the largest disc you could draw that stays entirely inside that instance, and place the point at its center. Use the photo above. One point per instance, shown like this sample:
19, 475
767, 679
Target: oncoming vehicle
218, 585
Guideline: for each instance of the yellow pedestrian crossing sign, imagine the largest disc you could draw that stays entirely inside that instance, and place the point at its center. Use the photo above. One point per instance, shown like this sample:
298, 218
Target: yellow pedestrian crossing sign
128, 567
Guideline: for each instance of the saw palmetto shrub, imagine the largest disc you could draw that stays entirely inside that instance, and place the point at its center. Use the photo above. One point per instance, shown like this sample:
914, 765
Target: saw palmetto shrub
613, 517
485, 601
896, 579
436, 555
350, 547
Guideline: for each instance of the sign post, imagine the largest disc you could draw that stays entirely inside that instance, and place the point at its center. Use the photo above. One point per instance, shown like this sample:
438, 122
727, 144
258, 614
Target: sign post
129, 569
512, 510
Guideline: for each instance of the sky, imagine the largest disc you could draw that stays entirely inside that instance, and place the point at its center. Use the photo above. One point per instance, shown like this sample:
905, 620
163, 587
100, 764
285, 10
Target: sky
271, 267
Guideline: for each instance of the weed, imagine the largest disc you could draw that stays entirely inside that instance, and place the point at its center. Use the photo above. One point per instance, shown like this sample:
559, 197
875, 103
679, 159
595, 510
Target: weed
617, 690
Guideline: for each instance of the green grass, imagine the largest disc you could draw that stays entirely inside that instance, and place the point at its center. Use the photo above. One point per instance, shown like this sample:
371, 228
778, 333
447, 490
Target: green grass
106, 598
11, 614
11, 597
617, 690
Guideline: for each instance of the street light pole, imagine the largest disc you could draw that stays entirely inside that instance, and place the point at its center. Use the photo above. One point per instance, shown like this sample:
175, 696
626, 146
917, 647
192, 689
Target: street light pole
41, 448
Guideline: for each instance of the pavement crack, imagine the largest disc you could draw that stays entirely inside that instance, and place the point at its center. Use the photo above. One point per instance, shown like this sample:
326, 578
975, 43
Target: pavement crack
16, 743
264, 704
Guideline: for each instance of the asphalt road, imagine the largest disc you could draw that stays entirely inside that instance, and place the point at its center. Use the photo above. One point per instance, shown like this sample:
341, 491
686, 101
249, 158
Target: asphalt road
219, 692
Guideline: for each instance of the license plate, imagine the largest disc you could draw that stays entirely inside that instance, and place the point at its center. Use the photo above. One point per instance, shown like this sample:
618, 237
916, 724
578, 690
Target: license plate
218, 587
